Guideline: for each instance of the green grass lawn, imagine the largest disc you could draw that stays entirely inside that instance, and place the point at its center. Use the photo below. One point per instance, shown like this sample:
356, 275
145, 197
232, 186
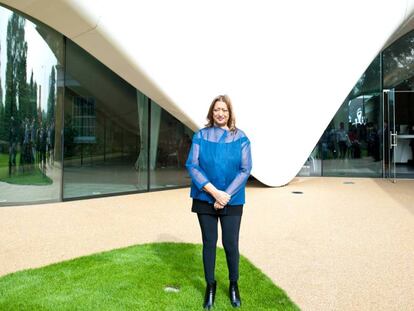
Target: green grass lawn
134, 278
34, 178
20, 177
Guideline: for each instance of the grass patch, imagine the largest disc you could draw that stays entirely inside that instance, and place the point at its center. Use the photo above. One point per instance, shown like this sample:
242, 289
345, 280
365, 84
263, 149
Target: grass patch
134, 278
4, 160
33, 176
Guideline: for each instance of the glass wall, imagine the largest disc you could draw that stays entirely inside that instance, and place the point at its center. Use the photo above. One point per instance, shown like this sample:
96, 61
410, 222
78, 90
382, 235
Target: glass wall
399, 82
357, 140
105, 127
398, 65
31, 97
115, 139
170, 144
351, 145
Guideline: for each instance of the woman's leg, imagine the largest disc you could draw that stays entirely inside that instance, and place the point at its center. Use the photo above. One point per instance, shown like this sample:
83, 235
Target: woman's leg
230, 227
208, 224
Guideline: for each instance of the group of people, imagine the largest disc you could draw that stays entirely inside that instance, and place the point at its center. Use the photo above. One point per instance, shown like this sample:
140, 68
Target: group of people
342, 143
35, 141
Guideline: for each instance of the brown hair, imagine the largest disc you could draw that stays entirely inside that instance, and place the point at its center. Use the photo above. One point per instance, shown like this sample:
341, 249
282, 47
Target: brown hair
231, 123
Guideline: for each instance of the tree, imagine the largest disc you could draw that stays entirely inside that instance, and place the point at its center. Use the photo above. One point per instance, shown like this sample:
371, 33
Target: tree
51, 100
398, 60
16, 86
2, 134
32, 97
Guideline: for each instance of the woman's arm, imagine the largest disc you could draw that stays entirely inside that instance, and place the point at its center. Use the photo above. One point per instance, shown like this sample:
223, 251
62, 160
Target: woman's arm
222, 197
197, 174
245, 167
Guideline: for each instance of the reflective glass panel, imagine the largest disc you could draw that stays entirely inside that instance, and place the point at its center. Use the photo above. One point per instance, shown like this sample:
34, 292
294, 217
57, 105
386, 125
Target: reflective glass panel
351, 144
313, 165
170, 144
31, 96
398, 64
398, 60
105, 129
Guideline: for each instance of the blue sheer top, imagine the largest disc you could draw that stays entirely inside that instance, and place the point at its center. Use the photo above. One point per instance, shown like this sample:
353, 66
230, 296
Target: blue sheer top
223, 158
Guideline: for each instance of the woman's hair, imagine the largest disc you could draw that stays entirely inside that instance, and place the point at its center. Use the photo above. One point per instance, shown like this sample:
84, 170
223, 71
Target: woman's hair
231, 123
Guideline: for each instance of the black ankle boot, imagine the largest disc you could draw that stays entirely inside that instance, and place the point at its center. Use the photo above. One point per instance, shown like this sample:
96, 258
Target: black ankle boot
234, 294
210, 295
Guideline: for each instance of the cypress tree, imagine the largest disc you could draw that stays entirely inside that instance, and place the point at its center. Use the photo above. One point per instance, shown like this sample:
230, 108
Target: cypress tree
32, 97
52, 96
16, 86
2, 135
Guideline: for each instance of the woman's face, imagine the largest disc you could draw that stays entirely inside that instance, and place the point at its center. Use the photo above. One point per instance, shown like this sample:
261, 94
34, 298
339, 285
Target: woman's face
220, 114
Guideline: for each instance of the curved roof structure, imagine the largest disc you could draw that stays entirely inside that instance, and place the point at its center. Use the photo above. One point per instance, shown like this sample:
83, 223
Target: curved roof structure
287, 65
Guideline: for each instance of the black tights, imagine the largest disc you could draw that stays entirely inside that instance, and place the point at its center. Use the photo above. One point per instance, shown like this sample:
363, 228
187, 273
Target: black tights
230, 227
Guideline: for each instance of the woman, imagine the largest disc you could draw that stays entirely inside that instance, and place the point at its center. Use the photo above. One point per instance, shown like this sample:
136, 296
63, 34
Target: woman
219, 164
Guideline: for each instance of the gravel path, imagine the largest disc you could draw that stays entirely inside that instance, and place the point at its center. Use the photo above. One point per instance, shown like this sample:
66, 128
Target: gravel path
335, 247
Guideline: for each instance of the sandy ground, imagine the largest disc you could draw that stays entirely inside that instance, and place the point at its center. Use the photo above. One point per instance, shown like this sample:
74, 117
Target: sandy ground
337, 246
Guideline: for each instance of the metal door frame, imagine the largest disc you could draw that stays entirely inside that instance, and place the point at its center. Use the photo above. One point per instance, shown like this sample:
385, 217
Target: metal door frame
390, 135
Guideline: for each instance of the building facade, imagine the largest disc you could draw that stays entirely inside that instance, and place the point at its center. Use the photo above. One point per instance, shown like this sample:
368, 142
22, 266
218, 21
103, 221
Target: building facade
71, 127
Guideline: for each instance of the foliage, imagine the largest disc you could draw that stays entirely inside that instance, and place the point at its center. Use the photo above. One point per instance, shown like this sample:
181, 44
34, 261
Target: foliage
21, 97
52, 96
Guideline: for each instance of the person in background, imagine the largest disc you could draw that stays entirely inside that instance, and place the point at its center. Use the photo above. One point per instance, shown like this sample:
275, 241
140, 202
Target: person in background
411, 132
343, 140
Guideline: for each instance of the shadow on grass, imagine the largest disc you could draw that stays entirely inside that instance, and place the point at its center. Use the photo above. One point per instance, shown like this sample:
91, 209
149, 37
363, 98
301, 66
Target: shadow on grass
188, 269
134, 278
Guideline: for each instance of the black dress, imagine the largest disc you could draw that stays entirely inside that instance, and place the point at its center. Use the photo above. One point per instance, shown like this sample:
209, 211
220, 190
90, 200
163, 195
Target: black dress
204, 207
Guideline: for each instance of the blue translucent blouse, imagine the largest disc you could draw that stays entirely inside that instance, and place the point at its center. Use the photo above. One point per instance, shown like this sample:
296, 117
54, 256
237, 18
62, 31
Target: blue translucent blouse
223, 158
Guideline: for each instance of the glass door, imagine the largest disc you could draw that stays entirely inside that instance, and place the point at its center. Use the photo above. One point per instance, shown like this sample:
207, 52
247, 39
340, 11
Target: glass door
398, 134
390, 136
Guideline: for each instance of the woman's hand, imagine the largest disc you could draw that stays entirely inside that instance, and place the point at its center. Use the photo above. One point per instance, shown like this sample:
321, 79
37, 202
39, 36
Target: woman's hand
222, 197
217, 205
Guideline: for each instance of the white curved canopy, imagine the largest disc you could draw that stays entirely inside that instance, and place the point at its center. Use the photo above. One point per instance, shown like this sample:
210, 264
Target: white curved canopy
287, 65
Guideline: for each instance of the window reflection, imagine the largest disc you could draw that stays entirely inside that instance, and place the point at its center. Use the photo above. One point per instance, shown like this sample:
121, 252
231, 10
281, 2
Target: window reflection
399, 81
351, 143
170, 144
399, 64
30, 98
105, 129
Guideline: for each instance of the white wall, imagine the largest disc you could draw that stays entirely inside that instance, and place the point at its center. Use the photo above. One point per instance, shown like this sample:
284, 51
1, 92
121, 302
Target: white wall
287, 65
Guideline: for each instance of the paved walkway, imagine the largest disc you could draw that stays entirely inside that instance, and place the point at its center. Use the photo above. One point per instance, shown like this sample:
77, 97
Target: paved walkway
335, 247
